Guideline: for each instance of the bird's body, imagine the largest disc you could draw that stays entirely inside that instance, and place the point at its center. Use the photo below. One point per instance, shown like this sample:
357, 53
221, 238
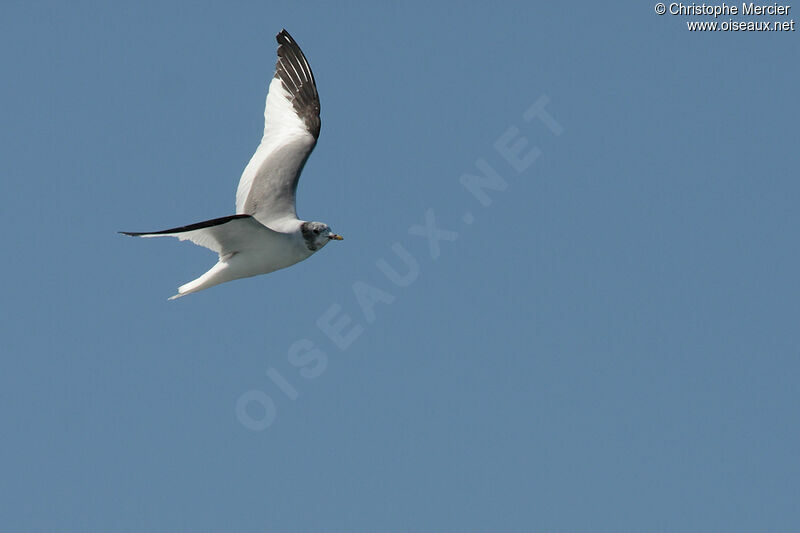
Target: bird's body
265, 235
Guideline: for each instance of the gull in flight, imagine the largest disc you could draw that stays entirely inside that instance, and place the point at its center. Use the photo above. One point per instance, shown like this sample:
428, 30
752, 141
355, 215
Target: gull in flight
265, 234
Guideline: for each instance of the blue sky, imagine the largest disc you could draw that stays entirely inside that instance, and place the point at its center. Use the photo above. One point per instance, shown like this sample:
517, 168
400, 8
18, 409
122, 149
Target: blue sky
610, 343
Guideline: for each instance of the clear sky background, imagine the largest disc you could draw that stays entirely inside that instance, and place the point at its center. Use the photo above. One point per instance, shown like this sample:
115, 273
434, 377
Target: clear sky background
610, 345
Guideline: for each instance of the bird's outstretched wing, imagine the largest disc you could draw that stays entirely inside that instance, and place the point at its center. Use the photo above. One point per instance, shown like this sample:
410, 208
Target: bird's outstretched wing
226, 235
291, 128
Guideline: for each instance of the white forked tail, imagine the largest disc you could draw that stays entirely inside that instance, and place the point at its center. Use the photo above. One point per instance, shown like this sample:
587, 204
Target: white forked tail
215, 276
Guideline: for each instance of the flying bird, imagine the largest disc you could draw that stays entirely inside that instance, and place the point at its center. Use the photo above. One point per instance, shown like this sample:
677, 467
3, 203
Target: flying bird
265, 234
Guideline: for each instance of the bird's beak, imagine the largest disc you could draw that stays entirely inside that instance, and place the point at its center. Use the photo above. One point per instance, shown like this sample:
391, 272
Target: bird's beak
335, 237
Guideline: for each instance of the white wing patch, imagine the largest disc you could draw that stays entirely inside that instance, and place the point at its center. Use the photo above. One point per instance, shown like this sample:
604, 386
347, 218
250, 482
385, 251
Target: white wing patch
268, 184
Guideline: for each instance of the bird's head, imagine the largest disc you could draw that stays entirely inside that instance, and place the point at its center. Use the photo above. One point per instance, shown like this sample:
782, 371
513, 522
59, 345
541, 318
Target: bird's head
317, 235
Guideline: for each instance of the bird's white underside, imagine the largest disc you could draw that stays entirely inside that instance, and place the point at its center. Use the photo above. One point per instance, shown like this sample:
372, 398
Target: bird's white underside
245, 247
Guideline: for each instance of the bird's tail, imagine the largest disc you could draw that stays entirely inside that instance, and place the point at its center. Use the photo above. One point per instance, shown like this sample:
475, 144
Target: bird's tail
216, 275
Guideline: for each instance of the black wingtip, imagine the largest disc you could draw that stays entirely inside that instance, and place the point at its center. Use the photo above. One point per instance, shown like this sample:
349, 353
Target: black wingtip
190, 227
283, 37
295, 73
